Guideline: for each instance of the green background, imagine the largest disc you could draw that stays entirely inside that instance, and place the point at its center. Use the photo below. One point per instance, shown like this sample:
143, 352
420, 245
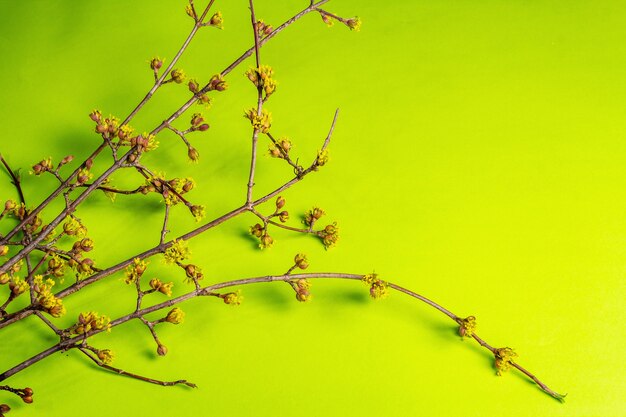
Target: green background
479, 159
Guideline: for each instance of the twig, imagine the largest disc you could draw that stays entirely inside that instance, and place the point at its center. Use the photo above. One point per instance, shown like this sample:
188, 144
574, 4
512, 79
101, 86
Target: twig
259, 107
15, 180
136, 376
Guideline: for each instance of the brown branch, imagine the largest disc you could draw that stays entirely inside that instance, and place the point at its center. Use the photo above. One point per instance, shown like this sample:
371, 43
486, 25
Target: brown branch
259, 107
136, 376
210, 291
15, 180
164, 230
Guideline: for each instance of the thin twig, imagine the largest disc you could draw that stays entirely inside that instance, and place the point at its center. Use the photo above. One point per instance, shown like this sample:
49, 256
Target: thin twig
136, 376
15, 180
259, 107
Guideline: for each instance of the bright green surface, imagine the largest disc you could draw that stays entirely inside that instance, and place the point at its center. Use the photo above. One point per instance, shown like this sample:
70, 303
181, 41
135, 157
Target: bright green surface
479, 159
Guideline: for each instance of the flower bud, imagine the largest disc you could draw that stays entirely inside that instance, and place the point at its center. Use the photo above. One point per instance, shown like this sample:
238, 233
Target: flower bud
280, 202
193, 86
354, 23
283, 216
89, 163
67, 159
161, 350
9, 205
301, 261
178, 75
188, 186
203, 127
266, 241
256, 230
196, 119
217, 83
85, 265
175, 316
156, 64
4, 408
95, 115
327, 19
4, 249
4, 278
28, 399
193, 154
232, 298
86, 244
217, 20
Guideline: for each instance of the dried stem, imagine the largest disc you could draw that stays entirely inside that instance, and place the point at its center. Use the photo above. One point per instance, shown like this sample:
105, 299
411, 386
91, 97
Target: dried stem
259, 107
15, 180
211, 289
135, 376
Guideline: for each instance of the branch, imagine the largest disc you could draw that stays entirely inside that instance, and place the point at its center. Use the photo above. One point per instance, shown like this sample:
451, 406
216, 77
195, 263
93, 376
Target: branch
210, 291
135, 376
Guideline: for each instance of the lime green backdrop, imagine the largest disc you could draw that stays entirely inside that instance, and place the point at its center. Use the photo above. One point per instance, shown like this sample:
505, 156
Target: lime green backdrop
479, 159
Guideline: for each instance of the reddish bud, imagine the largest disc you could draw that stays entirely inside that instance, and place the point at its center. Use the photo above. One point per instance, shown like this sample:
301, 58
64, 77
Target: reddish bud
67, 159
95, 115
203, 127
193, 154
161, 350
